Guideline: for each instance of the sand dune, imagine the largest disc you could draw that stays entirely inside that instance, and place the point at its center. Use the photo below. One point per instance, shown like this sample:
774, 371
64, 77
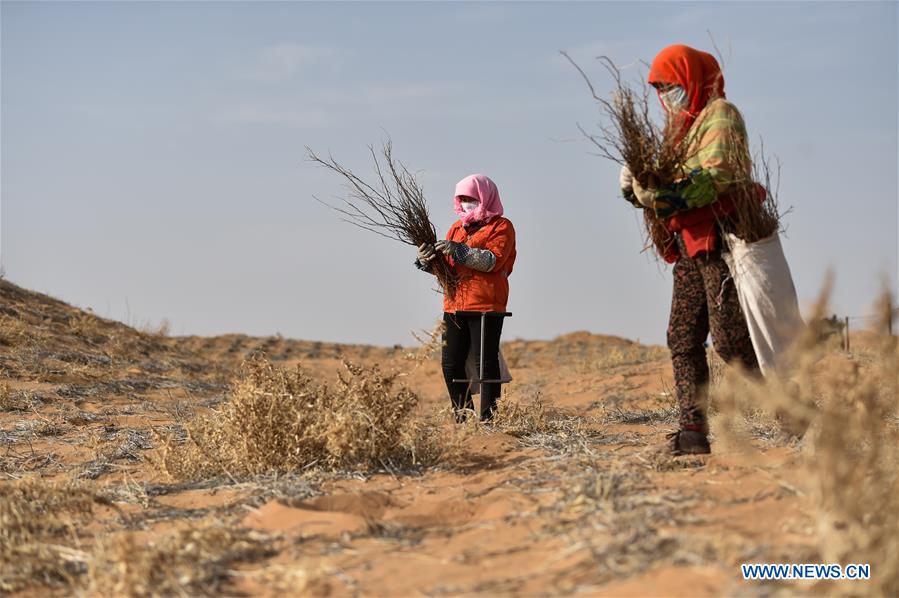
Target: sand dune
582, 505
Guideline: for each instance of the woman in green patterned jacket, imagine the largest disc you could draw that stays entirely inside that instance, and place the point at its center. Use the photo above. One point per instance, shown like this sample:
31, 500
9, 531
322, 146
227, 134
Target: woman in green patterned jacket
691, 88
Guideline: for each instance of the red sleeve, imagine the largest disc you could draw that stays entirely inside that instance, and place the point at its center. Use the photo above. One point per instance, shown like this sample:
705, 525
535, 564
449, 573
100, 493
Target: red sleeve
450, 236
502, 244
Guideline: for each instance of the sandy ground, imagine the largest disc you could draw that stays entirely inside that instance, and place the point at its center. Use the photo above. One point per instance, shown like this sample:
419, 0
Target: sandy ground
593, 512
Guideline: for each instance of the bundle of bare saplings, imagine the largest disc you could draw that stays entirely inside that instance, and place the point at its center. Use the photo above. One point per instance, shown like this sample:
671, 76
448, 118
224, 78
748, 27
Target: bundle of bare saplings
657, 159
392, 206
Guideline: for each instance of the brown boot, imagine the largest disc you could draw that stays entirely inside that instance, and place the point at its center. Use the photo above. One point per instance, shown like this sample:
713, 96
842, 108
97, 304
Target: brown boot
688, 442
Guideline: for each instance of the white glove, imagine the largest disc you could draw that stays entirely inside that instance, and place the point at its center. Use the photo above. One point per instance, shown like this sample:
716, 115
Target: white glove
425, 253
625, 178
646, 197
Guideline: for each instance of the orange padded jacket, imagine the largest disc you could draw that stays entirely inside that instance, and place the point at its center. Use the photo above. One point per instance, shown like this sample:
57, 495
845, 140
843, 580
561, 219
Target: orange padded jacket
483, 291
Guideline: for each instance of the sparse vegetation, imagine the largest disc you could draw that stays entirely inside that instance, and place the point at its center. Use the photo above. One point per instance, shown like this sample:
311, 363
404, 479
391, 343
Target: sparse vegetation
192, 560
284, 420
38, 519
87, 326
11, 400
13, 331
430, 343
627, 355
159, 331
847, 416
567, 476
41, 544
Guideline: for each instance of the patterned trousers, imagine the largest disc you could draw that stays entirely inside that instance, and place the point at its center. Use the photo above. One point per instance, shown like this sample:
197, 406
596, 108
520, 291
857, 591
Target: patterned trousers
704, 300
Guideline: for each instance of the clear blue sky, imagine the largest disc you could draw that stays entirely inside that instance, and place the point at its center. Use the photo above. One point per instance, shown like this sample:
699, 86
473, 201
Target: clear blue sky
153, 163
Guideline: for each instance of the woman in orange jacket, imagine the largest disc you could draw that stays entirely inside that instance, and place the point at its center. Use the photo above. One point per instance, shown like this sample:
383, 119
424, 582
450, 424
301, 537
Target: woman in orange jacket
480, 248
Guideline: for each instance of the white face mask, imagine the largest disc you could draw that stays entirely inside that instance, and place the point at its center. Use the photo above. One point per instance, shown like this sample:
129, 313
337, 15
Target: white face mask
468, 206
675, 99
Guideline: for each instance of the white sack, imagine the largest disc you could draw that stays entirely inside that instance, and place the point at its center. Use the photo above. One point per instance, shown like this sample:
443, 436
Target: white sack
767, 296
471, 371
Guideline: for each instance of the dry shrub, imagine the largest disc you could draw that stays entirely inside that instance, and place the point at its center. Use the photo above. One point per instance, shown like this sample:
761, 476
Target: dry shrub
11, 400
629, 355
157, 331
13, 331
283, 420
539, 425
717, 367
756, 214
517, 419
430, 343
87, 326
36, 516
849, 408
753, 220
190, 561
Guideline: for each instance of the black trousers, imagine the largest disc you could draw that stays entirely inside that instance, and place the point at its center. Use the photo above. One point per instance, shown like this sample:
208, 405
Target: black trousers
463, 333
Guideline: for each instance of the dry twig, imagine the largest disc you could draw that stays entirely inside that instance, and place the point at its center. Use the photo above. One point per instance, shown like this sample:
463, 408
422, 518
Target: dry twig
657, 157
393, 206
654, 156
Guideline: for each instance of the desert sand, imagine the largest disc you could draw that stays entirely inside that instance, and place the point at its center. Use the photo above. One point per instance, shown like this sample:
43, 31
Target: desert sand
585, 506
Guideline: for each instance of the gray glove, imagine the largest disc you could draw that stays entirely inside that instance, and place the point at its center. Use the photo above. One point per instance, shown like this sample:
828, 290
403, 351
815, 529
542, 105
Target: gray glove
482, 260
426, 253
446, 247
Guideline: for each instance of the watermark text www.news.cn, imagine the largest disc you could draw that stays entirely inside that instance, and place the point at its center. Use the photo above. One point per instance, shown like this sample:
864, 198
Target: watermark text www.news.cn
816, 571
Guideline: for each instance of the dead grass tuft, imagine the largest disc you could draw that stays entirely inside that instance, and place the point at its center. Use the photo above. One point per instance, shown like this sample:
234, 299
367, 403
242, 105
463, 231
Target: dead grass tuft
663, 416
11, 400
36, 516
615, 516
539, 425
189, 561
87, 326
13, 331
157, 331
282, 420
430, 343
291, 580
846, 412
629, 355
523, 419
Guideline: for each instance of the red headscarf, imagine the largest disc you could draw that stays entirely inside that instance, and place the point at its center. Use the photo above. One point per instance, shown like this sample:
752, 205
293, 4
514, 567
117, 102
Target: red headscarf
697, 72
700, 75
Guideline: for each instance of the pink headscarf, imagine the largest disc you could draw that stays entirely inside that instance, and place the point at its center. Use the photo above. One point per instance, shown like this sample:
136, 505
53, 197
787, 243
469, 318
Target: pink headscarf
484, 190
